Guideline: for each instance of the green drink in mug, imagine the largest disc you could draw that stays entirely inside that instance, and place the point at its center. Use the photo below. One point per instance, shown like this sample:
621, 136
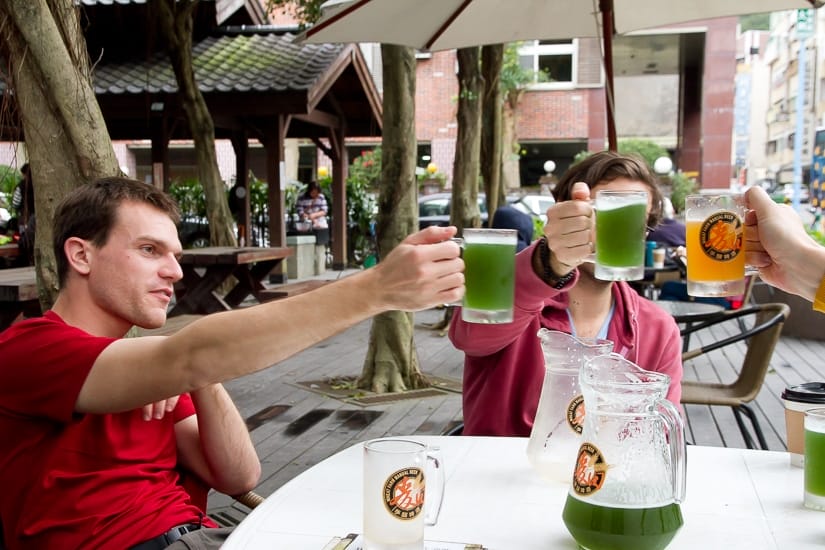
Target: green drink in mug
621, 222
489, 275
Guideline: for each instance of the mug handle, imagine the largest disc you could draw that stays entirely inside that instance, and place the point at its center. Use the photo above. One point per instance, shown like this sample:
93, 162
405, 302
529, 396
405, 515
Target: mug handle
434, 495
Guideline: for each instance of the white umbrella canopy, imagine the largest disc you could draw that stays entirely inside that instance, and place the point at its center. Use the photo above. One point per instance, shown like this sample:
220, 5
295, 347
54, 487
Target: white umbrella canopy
446, 24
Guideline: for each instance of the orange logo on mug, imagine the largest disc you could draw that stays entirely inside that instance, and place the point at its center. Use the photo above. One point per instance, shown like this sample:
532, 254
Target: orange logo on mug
404, 493
721, 236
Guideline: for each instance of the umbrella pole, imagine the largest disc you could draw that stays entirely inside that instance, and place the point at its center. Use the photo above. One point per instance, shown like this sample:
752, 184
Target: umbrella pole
606, 7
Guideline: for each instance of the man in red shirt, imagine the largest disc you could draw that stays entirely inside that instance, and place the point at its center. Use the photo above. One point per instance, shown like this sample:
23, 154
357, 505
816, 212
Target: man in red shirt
86, 463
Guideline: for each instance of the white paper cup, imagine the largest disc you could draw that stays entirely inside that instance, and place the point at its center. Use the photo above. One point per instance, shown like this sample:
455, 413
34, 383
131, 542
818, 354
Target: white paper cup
798, 400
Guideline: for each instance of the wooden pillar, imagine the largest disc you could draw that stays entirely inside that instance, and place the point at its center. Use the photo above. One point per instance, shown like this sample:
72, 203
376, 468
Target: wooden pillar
689, 129
160, 151
240, 144
339, 201
275, 177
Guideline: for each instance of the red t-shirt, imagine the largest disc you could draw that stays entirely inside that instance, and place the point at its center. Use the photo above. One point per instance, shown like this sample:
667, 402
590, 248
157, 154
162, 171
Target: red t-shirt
70, 480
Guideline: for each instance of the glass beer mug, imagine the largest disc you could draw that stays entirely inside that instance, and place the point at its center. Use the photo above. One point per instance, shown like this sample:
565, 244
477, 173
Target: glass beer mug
556, 435
630, 470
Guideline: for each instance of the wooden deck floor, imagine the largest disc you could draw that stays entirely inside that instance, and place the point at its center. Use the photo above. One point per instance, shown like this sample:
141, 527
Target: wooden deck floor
294, 428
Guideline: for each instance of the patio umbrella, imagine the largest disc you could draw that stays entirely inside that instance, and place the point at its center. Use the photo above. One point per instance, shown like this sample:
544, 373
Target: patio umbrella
447, 24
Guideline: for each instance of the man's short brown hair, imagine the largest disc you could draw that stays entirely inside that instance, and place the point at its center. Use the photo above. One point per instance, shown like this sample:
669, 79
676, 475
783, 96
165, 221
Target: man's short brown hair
90, 211
606, 166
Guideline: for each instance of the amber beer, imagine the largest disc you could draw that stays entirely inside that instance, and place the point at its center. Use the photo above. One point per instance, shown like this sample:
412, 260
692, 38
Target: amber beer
598, 527
715, 245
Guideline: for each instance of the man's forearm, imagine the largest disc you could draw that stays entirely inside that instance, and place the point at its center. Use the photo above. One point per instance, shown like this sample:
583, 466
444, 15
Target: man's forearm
228, 453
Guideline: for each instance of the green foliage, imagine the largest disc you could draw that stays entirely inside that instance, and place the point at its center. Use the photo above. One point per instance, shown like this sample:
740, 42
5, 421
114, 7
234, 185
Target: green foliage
817, 235
646, 149
190, 197
8, 181
681, 186
538, 227
305, 11
514, 77
366, 168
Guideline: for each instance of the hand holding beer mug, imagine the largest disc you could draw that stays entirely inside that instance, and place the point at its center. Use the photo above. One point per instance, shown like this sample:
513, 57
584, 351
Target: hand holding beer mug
394, 493
715, 245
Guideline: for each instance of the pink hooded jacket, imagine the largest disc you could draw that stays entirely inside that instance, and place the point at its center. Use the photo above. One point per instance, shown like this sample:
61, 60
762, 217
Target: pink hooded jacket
504, 364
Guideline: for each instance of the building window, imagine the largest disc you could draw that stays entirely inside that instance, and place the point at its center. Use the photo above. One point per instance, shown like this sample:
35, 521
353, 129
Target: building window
555, 59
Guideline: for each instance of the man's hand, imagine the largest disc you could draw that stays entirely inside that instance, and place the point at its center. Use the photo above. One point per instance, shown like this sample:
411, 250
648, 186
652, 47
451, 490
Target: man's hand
423, 271
158, 409
776, 243
569, 230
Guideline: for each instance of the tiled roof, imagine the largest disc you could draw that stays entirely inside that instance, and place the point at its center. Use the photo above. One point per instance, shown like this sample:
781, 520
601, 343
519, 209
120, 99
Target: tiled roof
242, 63
108, 2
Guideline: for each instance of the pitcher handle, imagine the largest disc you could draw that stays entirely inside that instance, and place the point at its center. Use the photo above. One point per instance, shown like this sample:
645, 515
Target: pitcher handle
676, 441
434, 495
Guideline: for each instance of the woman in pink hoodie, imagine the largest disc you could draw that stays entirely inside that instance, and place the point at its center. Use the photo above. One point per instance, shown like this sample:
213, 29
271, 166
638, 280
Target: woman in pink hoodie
555, 289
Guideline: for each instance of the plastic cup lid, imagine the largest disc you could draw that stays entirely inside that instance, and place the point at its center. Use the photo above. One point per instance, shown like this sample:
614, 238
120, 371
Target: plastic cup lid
810, 392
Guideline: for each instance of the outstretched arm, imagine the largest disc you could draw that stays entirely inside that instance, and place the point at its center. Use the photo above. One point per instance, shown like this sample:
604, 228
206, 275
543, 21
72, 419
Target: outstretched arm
421, 272
776, 243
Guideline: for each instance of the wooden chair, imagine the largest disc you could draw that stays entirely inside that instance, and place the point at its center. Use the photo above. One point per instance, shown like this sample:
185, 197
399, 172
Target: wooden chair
761, 339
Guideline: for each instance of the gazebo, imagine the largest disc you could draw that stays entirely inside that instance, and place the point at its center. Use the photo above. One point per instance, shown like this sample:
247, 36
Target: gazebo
258, 84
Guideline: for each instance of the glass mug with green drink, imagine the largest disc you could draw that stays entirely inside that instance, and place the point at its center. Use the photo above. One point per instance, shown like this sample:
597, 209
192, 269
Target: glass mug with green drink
815, 459
621, 226
489, 275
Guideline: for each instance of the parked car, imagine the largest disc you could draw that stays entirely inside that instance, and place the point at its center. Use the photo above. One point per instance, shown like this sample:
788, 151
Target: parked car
434, 209
535, 205
193, 232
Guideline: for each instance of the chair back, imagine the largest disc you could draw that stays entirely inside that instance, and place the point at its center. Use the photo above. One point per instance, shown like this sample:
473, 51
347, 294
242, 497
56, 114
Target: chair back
761, 341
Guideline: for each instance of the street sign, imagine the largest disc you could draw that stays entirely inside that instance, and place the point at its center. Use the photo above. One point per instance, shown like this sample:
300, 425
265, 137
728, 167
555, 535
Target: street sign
804, 23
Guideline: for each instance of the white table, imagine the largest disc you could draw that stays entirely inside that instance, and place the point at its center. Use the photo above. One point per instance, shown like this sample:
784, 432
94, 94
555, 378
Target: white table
736, 498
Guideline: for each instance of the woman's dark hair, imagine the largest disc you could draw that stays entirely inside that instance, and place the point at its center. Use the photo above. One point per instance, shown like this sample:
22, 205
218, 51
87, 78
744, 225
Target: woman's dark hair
606, 166
90, 211
312, 186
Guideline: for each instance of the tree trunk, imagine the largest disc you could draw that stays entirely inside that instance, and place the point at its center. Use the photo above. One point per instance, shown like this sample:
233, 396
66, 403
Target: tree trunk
510, 169
391, 364
464, 209
492, 58
66, 137
176, 23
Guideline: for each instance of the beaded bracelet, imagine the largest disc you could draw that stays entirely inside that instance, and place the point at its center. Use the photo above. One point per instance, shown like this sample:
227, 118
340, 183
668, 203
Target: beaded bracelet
548, 274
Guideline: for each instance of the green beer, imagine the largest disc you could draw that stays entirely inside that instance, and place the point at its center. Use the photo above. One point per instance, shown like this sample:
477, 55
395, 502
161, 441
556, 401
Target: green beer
597, 527
815, 468
620, 236
489, 271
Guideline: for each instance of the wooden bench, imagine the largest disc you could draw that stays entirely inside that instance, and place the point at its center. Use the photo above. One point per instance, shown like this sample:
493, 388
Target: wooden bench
292, 289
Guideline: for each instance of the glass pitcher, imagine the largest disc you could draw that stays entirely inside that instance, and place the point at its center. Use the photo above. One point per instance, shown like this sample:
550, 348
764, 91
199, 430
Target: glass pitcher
556, 435
630, 469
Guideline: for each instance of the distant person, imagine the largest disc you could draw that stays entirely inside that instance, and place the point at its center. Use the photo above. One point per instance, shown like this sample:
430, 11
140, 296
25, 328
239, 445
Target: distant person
777, 244
556, 289
670, 232
22, 202
312, 206
97, 428
507, 217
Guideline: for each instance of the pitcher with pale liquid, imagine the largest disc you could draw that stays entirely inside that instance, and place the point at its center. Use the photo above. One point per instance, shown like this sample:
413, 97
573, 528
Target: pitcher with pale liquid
630, 470
556, 435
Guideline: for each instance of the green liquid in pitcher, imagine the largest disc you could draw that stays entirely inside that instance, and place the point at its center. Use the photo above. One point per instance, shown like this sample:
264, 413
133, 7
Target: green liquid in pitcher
604, 528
